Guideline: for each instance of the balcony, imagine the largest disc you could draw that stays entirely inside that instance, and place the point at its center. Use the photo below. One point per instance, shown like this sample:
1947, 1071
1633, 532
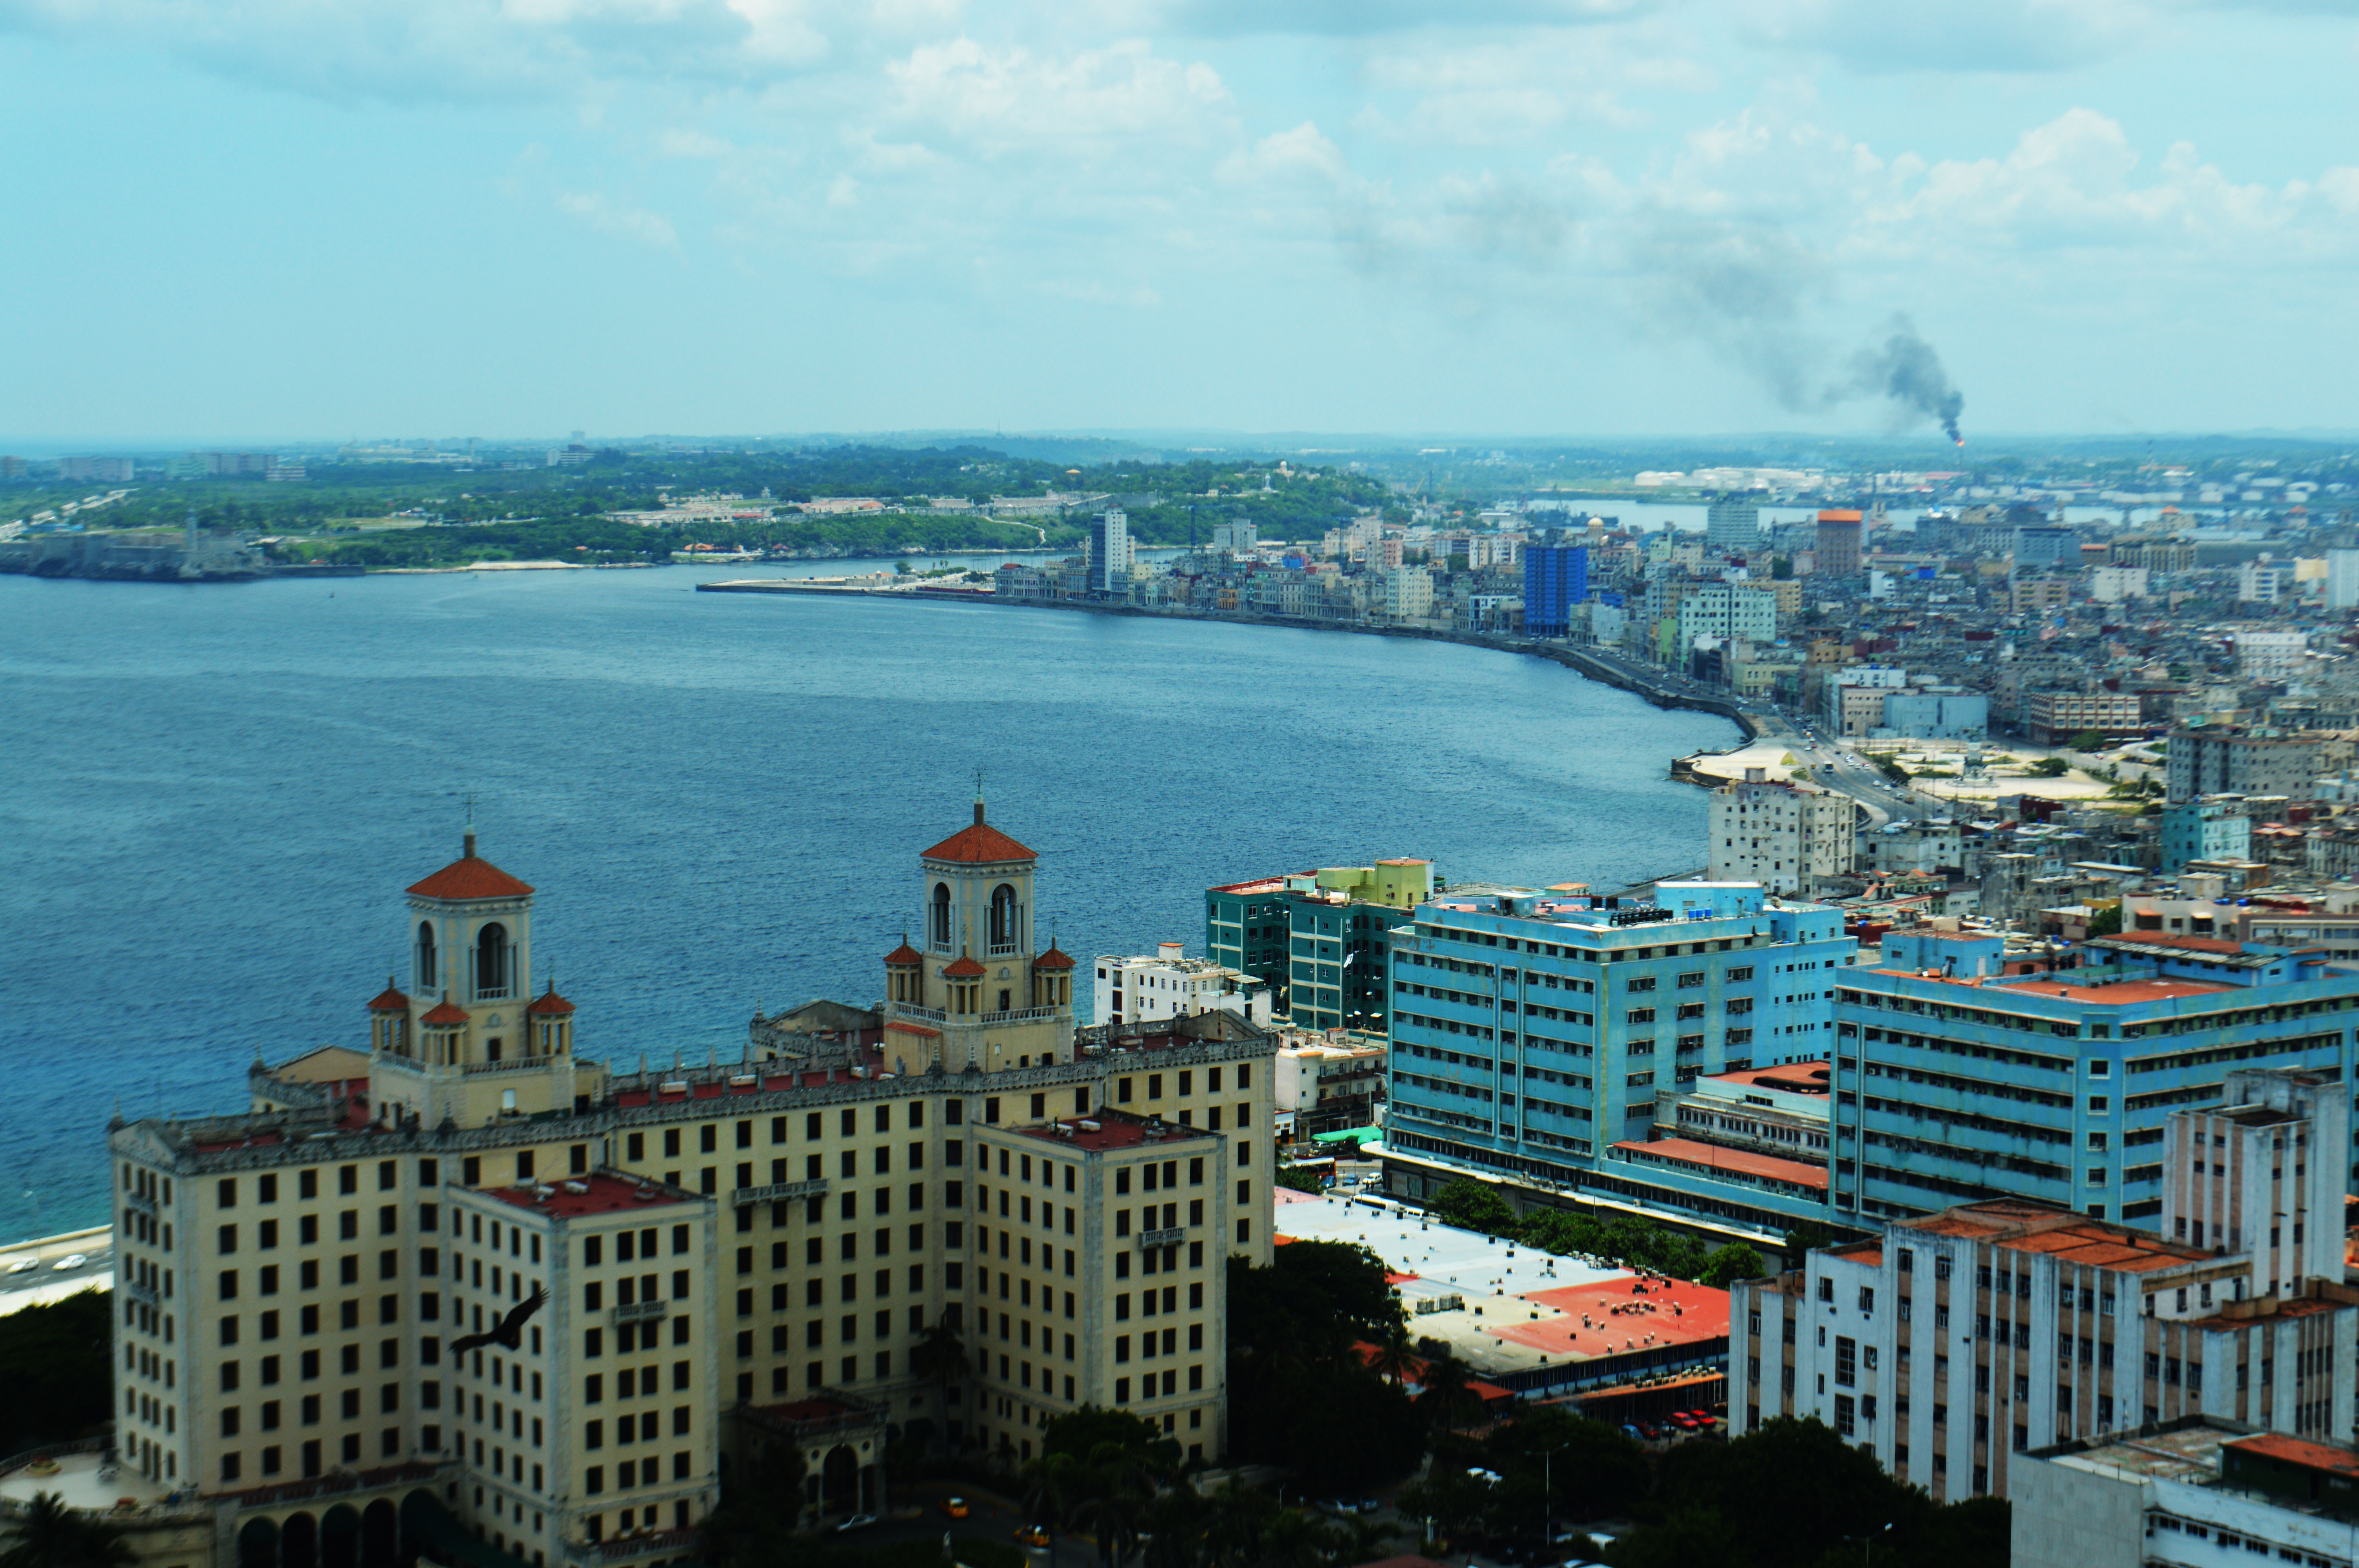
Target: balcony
142, 1202
911, 1010
1019, 1015
145, 1294
777, 1192
641, 1312
520, 1064
1168, 1237
640, 1545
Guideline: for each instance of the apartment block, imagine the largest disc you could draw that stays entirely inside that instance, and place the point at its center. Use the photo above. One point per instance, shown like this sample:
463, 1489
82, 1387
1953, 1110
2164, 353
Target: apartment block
1953, 1343
1536, 1035
467, 1284
2226, 760
2053, 717
1318, 936
1963, 1074
1789, 839
1167, 984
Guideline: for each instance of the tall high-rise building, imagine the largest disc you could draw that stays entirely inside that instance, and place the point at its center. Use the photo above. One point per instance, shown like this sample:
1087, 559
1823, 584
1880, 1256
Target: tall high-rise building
467, 1284
1789, 837
1732, 525
1109, 554
1951, 1344
1839, 543
1556, 578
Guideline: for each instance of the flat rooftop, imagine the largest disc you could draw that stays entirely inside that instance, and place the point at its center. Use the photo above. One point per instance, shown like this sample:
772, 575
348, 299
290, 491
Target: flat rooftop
579, 1196
2026, 1227
82, 1480
2190, 1454
2120, 993
1793, 1077
1712, 1157
1111, 1132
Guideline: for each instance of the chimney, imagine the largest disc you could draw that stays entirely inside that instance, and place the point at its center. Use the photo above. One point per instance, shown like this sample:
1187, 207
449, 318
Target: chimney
1170, 952
470, 844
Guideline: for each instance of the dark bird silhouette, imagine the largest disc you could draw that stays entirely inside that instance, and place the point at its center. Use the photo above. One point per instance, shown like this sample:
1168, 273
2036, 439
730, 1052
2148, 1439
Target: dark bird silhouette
510, 1329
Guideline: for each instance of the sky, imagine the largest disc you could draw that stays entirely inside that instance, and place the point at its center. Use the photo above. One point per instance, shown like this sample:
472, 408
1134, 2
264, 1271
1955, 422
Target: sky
329, 219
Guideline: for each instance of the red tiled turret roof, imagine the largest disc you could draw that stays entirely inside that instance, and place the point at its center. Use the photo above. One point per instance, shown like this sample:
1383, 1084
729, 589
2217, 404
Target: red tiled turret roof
549, 1004
470, 876
389, 999
1053, 959
445, 1012
963, 968
979, 843
905, 954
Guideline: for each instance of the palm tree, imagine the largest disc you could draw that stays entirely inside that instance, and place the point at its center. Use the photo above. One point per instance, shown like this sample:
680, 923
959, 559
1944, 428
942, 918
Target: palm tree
939, 1357
1053, 1485
1395, 1355
52, 1535
1446, 1394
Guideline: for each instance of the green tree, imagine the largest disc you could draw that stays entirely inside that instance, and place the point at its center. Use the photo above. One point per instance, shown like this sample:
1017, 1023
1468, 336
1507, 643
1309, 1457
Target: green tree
1580, 1468
1475, 1206
54, 1362
2087, 741
1808, 1236
1732, 1262
2049, 768
2106, 922
1301, 1179
52, 1535
939, 1357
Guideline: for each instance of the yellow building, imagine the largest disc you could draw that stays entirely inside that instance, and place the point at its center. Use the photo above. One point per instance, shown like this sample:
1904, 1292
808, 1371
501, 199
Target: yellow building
470, 1284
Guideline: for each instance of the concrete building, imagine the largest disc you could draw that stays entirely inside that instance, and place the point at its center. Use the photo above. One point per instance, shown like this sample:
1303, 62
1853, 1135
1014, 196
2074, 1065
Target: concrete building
2113, 585
2265, 582
1933, 713
1248, 927
1839, 543
2342, 580
1330, 1082
1166, 984
1318, 936
2053, 718
1790, 839
1953, 1343
2270, 655
2216, 828
1851, 699
1538, 1065
671, 1264
2045, 545
1732, 525
1779, 1110
1234, 538
2221, 759
2041, 593
1556, 578
1409, 593
1110, 555
1965, 1072
1725, 611
2193, 1490
102, 471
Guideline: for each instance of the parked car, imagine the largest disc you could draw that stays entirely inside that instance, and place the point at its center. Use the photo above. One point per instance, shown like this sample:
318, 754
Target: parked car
955, 1507
1030, 1535
24, 1265
857, 1522
70, 1262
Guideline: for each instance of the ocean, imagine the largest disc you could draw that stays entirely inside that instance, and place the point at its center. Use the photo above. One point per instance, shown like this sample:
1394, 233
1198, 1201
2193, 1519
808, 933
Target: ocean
211, 797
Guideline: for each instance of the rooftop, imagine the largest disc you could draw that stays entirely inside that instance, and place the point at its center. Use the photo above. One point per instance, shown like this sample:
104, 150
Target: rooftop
2187, 1450
578, 1197
2024, 1225
1114, 1129
979, 843
1712, 1157
2298, 1452
1793, 1077
471, 877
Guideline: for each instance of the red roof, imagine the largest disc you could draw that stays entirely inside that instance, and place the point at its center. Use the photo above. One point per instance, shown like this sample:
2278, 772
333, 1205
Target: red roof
599, 1194
470, 876
905, 954
1053, 959
963, 968
446, 1012
549, 1003
389, 999
979, 843
1711, 1156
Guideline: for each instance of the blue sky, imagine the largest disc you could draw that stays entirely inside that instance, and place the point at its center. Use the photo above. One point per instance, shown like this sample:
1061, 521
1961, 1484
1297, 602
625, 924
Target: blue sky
282, 219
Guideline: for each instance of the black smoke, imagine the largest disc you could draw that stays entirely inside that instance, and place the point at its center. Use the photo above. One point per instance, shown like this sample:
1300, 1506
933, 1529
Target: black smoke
1905, 369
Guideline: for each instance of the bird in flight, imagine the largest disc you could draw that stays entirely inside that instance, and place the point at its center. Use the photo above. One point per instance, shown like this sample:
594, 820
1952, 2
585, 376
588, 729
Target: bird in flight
509, 1331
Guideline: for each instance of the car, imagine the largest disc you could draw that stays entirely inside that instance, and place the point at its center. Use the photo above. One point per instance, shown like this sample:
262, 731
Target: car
70, 1262
24, 1265
1029, 1535
1368, 1505
857, 1522
956, 1508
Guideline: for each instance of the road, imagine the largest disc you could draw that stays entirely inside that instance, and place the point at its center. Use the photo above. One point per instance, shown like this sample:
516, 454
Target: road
44, 1282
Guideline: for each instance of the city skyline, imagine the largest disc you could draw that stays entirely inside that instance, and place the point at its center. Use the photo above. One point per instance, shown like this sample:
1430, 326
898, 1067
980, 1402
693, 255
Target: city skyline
1683, 218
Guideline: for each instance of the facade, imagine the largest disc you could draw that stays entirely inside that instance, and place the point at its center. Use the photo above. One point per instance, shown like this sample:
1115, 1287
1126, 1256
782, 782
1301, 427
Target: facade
2270, 655
2217, 827
1409, 593
110, 471
1331, 1082
2053, 717
1778, 1111
1963, 1072
2041, 592
1556, 578
1732, 525
1167, 984
1851, 699
2220, 758
1536, 1064
1787, 838
1246, 927
661, 1258
1110, 553
1951, 1344
2191, 1490
1317, 938
1931, 713
1839, 543
1726, 610
2342, 580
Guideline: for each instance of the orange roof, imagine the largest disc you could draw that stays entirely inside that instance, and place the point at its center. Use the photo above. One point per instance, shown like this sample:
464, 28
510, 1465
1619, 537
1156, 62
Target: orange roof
905, 954
1711, 1156
2297, 1451
446, 1012
962, 968
978, 844
1053, 959
470, 876
550, 1003
389, 999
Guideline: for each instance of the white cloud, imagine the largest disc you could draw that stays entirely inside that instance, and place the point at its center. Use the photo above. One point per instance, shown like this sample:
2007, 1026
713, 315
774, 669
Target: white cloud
1302, 153
1004, 98
624, 223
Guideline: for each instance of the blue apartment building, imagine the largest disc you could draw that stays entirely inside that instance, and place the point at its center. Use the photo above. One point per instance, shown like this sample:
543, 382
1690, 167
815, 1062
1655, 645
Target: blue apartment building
1556, 578
1957, 1081
1531, 1035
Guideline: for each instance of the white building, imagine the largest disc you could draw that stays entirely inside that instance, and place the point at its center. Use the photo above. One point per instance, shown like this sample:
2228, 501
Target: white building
1166, 984
2269, 656
1954, 1343
1733, 526
2112, 585
2342, 580
2202, 1490
1234, 538
2263, 581
1409, 593
1110, 553
1784, 837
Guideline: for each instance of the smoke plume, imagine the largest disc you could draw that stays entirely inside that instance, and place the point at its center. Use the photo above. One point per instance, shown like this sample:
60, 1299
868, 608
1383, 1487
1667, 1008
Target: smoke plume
1905, 370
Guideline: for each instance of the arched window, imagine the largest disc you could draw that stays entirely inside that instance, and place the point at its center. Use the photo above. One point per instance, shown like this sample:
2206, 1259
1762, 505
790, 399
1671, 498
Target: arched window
491, 961
939, 917
426, 982
1003, 919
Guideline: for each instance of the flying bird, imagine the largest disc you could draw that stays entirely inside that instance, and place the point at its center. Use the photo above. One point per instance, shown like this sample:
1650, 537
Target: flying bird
510, 1329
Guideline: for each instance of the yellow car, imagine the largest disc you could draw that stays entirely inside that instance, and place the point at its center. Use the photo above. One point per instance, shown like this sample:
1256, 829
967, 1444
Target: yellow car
955, 1507
1030, 1535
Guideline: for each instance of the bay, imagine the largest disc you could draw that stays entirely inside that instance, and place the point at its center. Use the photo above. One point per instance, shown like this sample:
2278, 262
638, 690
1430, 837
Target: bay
211, 797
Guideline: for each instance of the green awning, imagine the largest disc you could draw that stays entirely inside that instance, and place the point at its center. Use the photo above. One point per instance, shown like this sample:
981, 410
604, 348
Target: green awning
1351, 1134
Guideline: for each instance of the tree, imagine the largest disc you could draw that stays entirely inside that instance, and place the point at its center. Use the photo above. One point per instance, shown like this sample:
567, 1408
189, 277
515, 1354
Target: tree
939, 1357
54, 1364
2087, 741
1395, 1356
1301, 1179
2049, 768
1808, 1236
52, 1535
1475, 1206
1589, 1469
1449, 1397
2106, 922
1733, 1261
